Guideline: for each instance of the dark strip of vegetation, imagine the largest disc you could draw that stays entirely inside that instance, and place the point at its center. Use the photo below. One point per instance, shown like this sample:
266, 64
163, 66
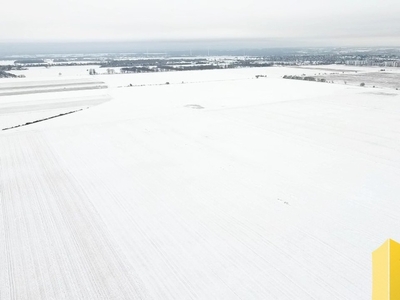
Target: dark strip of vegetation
307, 78
11, 67
41, 120
150, 62
29, 61
4, 74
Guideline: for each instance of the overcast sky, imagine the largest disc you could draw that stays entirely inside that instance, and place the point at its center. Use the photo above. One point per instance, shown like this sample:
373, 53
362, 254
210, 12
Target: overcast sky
306, 22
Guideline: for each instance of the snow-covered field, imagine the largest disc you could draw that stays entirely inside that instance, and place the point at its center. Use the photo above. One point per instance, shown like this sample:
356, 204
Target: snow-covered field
57, 72
24, 100
221, 187
370, 79
373, 77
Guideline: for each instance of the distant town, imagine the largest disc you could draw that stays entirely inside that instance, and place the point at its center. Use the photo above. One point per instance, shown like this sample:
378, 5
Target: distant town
187, 61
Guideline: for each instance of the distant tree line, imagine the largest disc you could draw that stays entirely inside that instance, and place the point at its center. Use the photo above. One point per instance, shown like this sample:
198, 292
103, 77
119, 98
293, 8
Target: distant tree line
4, 74
166, 68
150, 62
11, 67
138, 70
251, 64
47, 65
307, 78
29, 61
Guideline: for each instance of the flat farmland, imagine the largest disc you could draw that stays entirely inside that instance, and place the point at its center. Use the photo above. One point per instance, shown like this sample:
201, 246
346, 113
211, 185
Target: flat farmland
220, 187
23, 101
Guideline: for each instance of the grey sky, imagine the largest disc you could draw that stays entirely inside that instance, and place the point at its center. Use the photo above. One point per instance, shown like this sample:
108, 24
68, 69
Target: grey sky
308, 22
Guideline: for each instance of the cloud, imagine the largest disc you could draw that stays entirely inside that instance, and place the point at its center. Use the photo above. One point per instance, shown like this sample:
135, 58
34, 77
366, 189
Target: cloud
307, 20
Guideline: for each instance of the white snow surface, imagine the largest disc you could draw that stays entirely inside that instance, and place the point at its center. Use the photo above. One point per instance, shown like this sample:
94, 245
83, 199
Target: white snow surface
224, 187
23, 101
